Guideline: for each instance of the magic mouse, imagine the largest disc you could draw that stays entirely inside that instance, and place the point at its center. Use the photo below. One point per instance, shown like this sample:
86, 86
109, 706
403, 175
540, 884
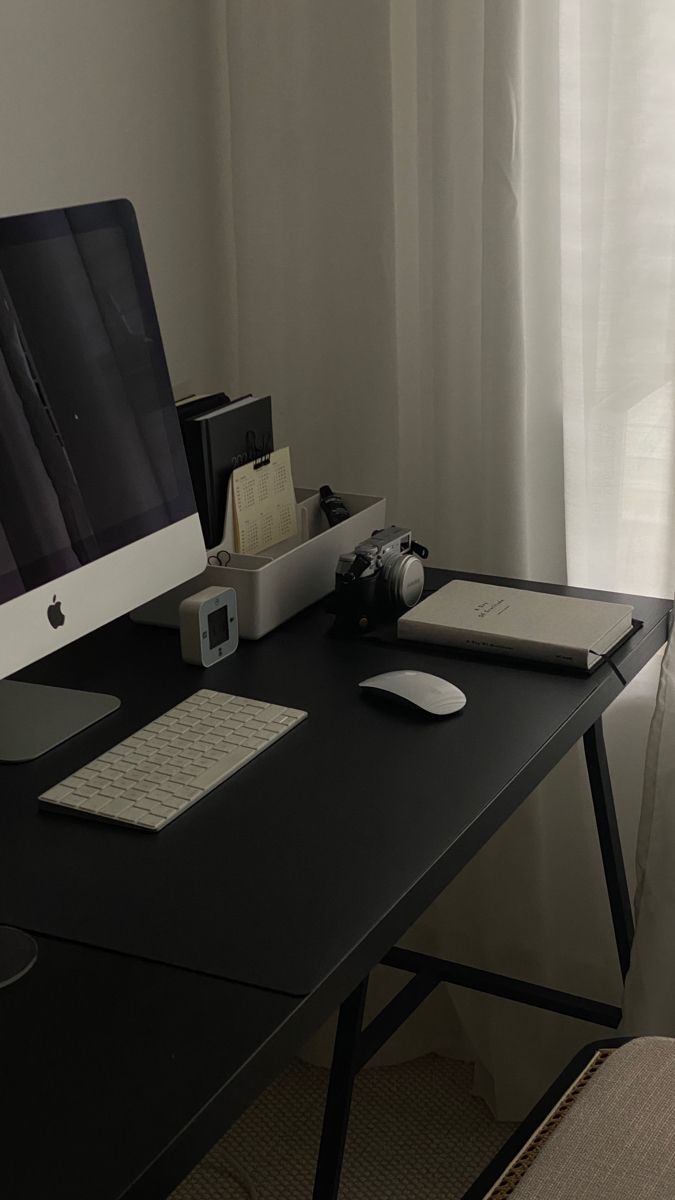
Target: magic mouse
428, 692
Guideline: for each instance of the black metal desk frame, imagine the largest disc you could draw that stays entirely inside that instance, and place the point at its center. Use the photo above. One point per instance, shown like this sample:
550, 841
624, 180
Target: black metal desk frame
355, 1046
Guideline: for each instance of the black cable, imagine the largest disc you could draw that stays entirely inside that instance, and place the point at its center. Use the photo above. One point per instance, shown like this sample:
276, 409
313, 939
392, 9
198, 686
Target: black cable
605, 658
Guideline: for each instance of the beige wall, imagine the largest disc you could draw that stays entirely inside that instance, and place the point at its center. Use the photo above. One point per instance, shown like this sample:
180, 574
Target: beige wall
107, 98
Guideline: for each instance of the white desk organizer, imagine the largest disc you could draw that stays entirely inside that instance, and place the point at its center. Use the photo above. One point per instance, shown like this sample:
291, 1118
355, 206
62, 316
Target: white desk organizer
274, 586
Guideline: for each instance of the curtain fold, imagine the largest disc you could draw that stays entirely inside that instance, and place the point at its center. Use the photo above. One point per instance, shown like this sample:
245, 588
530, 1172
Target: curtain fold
453, 227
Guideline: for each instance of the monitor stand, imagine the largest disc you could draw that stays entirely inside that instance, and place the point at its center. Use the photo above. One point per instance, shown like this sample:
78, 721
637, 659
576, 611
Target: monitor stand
35, 718
18, 952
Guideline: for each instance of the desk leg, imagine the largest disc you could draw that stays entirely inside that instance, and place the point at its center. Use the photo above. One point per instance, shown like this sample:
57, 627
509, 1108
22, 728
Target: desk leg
610, 842
354, 1046
343, 1071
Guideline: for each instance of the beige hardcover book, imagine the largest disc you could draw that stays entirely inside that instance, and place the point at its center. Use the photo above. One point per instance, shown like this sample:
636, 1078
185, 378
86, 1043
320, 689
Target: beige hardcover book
518, 622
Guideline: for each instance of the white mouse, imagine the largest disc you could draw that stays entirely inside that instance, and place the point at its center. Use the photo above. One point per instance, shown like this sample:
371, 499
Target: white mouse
428, 692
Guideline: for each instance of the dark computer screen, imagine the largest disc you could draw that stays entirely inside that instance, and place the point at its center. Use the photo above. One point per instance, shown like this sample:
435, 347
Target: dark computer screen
91, 456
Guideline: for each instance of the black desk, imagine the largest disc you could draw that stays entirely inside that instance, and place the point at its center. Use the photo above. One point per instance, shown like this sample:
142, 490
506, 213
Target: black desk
111, 1067
301, 873
346, 829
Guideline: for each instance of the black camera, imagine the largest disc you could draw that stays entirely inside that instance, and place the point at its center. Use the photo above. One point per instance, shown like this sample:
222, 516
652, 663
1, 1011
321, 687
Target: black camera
378, 580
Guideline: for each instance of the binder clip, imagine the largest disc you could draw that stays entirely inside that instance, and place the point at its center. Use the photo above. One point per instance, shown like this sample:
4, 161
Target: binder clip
258, 454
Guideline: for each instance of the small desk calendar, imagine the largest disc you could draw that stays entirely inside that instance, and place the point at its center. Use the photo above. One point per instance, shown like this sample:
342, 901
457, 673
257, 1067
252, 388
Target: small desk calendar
264, 503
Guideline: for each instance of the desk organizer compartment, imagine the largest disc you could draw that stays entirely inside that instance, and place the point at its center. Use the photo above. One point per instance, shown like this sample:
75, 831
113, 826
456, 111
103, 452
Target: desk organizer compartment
273, 586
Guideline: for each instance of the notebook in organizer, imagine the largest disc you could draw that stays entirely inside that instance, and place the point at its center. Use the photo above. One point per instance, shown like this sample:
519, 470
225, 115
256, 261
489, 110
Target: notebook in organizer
192, 406
217, 441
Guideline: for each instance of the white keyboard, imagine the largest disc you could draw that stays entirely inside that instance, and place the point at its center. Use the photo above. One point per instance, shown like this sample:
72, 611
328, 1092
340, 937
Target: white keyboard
153, 776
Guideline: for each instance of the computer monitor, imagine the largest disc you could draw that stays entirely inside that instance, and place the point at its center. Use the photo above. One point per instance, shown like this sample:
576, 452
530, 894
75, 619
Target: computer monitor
97, 513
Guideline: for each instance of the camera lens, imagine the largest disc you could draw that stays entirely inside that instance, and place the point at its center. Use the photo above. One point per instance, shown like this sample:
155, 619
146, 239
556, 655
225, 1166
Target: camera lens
404, 576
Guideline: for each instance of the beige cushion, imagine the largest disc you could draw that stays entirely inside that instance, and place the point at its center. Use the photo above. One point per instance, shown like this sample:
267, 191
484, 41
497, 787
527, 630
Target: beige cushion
616, 1140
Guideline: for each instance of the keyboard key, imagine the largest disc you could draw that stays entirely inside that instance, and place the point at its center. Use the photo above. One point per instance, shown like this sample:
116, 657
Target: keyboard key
158, 808
185, 794
273, 711
58, 793
110, 773
76, 801
132, 813
111, 792
159, 795
175, 804
84, 774
115, 808
149, 820
141, 802
221, 770
93, 804
136, 774
134, 793
175, 789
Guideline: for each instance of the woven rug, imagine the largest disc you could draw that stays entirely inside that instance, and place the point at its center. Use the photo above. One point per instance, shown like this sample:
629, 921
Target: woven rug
416, 1133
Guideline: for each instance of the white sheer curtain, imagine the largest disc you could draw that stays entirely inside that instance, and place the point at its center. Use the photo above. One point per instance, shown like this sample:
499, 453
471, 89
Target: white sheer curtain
449, 247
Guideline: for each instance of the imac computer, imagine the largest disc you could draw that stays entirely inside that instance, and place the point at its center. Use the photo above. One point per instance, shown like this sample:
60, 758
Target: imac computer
97, 513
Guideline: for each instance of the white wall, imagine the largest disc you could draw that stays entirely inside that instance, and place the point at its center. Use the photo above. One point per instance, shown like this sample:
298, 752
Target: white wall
108, 98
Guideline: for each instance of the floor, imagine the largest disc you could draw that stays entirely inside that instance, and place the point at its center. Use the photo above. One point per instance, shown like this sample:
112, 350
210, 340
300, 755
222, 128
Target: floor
416, 1133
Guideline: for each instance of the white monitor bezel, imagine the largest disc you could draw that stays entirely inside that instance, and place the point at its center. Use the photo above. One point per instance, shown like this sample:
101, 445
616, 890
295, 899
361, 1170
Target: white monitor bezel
99, 591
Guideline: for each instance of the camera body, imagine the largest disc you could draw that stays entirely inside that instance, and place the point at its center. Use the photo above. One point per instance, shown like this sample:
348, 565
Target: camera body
379, 579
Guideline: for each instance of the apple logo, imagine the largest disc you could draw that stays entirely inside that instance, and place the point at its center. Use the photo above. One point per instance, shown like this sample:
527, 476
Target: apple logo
54, 614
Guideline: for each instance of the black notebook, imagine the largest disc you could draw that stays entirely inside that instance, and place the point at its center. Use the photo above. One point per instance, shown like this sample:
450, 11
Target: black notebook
192, 406
217, 441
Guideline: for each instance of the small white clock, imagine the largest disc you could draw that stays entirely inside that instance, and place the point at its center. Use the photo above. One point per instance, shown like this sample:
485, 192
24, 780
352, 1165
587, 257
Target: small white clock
209, 631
